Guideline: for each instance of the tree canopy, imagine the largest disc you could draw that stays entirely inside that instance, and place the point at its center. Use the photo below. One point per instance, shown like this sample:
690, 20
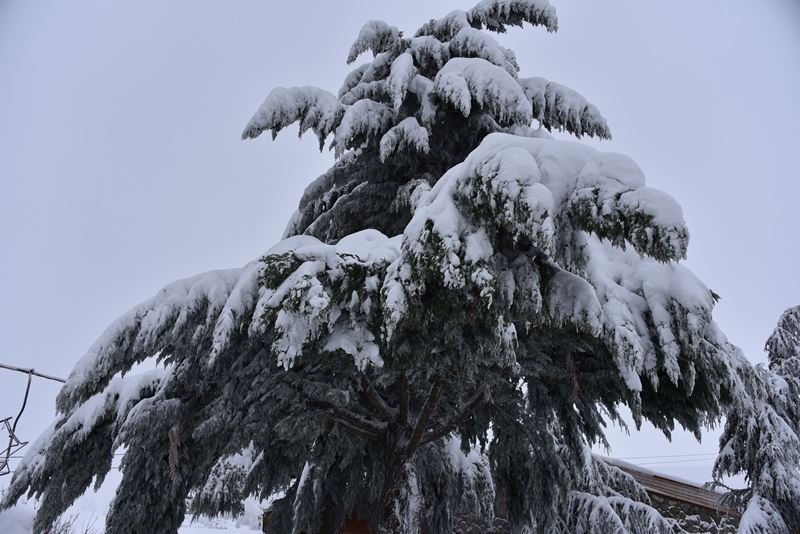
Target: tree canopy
459, 306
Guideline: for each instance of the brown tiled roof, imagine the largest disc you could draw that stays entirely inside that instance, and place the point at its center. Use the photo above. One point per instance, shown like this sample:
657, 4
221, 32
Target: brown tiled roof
673, 488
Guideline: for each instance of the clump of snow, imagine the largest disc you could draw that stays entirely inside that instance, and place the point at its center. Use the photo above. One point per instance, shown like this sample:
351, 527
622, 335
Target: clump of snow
353, 78
463, 80
428, 50
407, 134
445, 28
305, 304
469, 42
400, 75
559, 107
314, 108
532, 188
363, 120
135, 335
496, 15
375, 35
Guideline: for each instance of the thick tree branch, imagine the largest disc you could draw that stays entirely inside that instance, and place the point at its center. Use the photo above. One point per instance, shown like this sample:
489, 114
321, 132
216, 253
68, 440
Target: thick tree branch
425, 414
350, 419
386, 412
354, 428
454, 423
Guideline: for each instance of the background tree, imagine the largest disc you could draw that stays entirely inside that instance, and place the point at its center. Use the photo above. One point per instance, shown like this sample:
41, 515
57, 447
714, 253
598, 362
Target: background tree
460, 304
762, 435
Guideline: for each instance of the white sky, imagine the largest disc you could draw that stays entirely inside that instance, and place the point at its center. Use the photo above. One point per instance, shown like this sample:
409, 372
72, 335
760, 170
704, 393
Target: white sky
122, 169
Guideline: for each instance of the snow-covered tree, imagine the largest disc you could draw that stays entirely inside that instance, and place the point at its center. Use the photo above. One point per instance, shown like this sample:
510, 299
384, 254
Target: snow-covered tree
458, 307
762, 435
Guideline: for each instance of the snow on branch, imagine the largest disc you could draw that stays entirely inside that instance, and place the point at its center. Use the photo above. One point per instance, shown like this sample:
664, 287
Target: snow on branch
407, 134
469, 42
761, 437
613, 515
400, 76
559, 107
650, 314
309, 298
353, 78
611, 200
429, 51
496, 92
363, 121
224, 489
314, 108
49, 472
496, 15
493, 15
761, 517
204, 308
784, 343
375, 35
446, 27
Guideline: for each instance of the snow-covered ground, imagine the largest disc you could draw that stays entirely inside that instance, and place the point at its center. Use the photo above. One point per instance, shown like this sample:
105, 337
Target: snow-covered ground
90, 509
19, 520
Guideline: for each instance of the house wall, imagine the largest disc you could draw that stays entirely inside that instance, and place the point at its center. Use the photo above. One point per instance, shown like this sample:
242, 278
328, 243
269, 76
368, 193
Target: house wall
693, 518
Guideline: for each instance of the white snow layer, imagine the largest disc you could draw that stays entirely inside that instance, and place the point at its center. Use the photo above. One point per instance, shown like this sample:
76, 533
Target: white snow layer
375, 35
493, 15
496, 14
469, 42
314, 108
407, 134
463, 80
562, 108
529, 187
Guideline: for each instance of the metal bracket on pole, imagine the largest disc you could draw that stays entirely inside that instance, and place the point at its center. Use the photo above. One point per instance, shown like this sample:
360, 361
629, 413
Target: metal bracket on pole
14, 446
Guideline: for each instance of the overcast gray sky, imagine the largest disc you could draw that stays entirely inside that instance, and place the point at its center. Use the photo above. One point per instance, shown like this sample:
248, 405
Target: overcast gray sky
122, 169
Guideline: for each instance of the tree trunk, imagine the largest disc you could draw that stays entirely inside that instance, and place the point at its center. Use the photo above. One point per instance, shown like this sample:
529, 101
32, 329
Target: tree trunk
392, 492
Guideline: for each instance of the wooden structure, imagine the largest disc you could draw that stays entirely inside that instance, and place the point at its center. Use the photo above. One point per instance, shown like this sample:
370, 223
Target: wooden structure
673, 488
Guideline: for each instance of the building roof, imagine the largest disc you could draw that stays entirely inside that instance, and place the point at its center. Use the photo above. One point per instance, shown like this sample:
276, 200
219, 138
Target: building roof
672, 487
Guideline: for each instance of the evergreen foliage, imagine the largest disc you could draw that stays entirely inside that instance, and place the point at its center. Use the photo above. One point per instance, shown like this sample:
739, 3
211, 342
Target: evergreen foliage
762, 435
458, 307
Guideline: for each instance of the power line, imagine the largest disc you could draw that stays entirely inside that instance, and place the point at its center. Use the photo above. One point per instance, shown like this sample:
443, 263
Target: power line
31, 372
